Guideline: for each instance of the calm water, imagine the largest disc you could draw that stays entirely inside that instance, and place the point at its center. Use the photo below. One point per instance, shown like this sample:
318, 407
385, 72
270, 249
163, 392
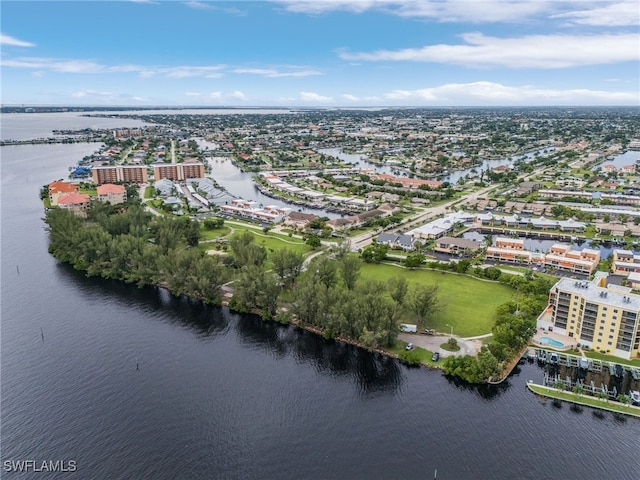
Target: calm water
219, 395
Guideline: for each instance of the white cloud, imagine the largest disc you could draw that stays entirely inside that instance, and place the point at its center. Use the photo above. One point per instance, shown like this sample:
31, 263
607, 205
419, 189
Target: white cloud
186, 71
534, 51
351, 98
238, 95
56, 65
199, 5
273, 73
14, 42
314, 97
616, 14
475, 11
91, 67
488, 93
91, 93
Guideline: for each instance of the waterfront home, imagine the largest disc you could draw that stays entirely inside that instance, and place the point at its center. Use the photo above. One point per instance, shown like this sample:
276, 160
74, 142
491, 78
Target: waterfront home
599, 315
58, 189
615, 229
508, 255
441, 226
563, 257
409, 183
571, 225
633, 280
509, 243
76, 203
113, 194
542, 223
625, 262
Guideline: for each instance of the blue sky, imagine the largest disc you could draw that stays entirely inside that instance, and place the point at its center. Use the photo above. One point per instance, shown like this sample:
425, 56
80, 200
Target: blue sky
321, 53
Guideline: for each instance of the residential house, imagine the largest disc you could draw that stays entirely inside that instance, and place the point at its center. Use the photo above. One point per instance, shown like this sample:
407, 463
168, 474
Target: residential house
457, 246
113, 194
299, 220
58, 189
76, 203
625, 262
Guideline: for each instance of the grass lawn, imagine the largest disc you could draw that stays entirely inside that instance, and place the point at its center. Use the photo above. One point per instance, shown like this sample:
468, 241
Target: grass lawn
149, 192
215, 233
585, 400
423, 355
469, 303
610, 358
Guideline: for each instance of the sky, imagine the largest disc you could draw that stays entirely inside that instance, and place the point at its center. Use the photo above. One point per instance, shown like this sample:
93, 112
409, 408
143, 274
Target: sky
321, 53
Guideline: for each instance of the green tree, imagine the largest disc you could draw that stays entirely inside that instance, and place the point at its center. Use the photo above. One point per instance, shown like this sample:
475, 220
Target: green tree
398, 288
414, 260
287, 264
350, 270
245, 251
423, 301
314, 241
375, 253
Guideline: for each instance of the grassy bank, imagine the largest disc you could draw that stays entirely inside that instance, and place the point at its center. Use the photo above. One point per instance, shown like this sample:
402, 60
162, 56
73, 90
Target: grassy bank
586, 400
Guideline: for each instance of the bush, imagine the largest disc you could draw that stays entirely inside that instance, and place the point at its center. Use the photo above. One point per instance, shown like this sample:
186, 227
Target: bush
411, 357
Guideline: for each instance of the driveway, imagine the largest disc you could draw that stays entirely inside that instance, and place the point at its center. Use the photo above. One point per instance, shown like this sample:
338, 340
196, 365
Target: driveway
433, 342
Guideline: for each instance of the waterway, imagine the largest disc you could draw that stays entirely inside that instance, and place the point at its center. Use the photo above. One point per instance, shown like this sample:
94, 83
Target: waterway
241, 184
133, 383
622, 159
453, 177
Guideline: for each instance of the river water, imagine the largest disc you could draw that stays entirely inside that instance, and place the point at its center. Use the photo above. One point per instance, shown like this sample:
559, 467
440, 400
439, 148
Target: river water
131, 383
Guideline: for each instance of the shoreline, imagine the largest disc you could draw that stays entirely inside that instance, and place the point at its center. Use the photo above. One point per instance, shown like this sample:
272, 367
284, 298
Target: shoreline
565, 396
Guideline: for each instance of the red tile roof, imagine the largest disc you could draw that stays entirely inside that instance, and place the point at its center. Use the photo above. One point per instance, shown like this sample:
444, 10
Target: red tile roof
61, 187
108, 188
73, 199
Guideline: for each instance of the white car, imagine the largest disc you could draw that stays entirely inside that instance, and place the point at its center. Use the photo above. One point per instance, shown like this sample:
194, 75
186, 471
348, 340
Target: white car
409, 346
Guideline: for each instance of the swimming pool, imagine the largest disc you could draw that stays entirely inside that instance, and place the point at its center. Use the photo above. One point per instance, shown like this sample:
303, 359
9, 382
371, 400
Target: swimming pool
551, 342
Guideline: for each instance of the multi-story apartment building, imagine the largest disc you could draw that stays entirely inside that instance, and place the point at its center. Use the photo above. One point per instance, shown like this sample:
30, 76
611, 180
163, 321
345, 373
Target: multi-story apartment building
178, 171
560, 256
598, 315
625, 262
76, 203
120, 173
114, 194
59, 189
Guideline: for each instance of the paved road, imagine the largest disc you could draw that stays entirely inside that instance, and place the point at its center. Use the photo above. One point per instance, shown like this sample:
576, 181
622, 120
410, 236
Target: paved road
429, 213
433, 342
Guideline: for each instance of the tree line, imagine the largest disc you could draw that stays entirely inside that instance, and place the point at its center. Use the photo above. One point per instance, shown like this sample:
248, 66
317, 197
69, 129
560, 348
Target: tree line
130, 245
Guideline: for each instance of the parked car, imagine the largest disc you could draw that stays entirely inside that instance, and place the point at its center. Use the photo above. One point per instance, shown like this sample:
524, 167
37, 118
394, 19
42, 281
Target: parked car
435, 357
428, 331
409, 346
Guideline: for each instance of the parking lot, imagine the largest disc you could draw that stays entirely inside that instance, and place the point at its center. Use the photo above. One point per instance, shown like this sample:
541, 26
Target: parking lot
433, 342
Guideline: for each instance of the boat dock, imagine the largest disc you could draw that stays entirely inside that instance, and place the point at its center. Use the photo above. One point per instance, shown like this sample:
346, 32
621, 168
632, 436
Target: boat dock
590, 364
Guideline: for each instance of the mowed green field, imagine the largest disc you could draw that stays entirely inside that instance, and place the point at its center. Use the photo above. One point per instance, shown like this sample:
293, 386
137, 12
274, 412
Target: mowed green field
469, 303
